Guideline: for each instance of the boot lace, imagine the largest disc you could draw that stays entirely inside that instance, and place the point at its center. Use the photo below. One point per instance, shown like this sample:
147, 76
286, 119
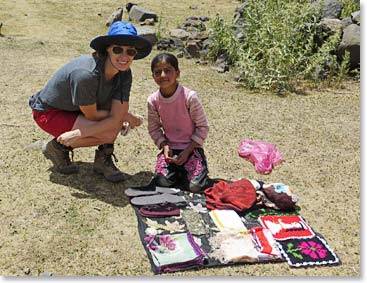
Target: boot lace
66, 156
109, 162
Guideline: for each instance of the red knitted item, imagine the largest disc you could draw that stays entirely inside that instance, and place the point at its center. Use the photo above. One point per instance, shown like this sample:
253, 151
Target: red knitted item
239, 195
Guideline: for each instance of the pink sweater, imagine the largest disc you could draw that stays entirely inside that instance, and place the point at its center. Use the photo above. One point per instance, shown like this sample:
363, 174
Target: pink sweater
179, 119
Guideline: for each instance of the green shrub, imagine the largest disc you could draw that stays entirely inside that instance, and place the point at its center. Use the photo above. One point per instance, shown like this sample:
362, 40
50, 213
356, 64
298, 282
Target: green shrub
349, 6
280, 45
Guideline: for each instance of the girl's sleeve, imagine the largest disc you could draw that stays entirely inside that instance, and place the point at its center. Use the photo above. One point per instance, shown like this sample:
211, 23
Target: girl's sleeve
199, 118
154, 124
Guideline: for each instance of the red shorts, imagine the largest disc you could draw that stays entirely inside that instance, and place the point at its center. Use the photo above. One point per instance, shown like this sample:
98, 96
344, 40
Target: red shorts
54, 121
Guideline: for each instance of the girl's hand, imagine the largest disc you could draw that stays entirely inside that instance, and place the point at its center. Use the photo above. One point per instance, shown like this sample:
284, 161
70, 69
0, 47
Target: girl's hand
182, 158
167, 153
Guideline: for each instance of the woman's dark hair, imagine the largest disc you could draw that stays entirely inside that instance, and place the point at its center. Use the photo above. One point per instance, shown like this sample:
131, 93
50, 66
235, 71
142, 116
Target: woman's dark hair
99, 54
165, 57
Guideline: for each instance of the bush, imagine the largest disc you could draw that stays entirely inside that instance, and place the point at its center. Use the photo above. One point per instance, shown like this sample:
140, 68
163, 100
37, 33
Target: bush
349, 6
280, 45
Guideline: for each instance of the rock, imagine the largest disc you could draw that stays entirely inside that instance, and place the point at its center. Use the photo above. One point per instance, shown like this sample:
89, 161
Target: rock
346, 22
351, 42
140, 14
221, 64
180, 54
331, 9
147, 33
148, 22
193, 24
115, 16
199, 36
356, 17
27, 271
330, 26
129, 5
180, 33
193, 47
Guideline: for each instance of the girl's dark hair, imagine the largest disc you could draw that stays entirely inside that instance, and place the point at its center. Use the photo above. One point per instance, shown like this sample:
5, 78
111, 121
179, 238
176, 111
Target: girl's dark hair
165, 57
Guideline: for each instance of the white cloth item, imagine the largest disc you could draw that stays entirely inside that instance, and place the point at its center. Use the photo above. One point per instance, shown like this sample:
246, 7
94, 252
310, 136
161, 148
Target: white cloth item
227, 219
230, 246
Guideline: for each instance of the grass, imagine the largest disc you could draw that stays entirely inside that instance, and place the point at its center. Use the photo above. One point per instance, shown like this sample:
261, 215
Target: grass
84, 226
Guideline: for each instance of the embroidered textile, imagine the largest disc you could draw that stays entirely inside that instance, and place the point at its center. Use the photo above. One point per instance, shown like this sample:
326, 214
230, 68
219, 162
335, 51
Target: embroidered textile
227, 220
194, 222
287, 227
231, 246
307, 252
174, 252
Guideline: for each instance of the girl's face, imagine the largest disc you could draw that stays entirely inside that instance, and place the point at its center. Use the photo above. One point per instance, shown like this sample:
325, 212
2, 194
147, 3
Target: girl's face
165, 75
121, 56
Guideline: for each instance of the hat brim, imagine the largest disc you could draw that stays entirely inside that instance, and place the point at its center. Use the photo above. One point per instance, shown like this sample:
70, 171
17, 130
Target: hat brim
142, 45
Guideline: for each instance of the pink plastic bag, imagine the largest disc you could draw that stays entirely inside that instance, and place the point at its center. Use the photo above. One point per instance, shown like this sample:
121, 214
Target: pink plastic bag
264, 156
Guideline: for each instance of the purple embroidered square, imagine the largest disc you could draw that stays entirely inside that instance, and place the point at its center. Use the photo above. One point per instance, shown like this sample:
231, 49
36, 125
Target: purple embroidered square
308, 252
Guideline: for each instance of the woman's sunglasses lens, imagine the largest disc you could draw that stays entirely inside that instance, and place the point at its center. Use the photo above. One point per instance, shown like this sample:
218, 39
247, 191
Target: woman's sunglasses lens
117, 50
130, 51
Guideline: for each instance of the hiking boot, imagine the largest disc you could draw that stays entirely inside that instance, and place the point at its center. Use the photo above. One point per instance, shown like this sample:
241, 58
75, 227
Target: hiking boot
59, 155
103, 164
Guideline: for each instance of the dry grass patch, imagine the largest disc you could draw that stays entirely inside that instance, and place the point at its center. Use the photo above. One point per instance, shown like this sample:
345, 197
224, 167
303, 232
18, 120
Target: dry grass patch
85, 226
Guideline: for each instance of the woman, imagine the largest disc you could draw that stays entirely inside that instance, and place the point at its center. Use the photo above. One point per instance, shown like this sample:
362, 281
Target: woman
86, 102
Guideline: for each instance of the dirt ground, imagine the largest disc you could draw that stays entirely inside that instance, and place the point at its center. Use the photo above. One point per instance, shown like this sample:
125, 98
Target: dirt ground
82, 225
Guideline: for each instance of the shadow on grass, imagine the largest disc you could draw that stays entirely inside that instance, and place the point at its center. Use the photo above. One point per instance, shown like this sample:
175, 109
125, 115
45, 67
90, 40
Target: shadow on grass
93, 186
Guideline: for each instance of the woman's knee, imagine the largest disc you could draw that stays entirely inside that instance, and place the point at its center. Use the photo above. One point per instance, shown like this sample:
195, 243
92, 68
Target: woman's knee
108, 137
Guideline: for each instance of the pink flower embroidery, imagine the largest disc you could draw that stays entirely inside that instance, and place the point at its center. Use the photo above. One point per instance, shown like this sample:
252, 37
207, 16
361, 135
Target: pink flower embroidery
312, 249
167, 242
161, 165
194, 165
150, 240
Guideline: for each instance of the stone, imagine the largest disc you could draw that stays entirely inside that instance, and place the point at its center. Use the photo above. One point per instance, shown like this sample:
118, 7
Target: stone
180, 33
140, 14
351, 42
115, 16
147, 33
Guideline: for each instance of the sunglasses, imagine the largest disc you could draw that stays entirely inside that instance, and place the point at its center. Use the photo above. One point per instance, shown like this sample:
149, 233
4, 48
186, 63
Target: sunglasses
129, 50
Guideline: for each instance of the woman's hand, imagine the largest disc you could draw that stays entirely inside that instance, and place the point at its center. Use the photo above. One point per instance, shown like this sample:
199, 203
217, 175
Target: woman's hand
68, 138
135, 120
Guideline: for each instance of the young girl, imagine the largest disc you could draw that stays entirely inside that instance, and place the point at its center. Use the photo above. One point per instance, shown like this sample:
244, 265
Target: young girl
178, 126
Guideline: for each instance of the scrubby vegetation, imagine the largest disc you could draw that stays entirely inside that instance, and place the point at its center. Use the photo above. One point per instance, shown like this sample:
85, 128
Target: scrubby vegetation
282, 43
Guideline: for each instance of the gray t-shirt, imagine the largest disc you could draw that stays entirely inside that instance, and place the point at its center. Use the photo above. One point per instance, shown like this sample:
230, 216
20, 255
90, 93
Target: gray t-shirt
82, 82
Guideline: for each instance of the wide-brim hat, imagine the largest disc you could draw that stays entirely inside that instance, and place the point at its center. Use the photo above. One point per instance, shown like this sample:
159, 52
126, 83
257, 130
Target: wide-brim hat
123, 33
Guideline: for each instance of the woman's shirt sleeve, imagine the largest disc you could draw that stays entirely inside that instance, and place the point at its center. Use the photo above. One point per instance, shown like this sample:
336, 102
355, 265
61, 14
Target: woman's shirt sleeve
124, 84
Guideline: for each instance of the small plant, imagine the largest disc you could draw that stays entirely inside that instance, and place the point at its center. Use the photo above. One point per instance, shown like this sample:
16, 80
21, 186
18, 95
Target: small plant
280, 45
349, 6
